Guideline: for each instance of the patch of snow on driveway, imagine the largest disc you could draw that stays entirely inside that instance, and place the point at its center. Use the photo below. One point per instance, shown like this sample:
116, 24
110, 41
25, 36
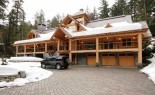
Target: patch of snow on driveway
33, 71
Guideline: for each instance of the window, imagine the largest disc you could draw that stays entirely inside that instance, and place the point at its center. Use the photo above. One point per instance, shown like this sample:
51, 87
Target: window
52, 59
105, 45
126, 42
108, 45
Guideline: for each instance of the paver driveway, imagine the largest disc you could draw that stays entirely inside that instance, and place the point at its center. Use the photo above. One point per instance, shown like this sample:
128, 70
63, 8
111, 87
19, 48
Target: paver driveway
86, 80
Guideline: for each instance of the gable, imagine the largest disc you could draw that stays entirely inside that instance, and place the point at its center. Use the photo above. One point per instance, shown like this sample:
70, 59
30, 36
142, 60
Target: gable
61, 33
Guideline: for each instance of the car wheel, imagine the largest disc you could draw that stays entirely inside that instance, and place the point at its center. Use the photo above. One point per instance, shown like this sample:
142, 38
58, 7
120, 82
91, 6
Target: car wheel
58, 66
43, 65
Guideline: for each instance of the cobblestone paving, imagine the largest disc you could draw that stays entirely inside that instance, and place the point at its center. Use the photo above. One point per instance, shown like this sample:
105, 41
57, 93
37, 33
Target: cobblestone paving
86, 80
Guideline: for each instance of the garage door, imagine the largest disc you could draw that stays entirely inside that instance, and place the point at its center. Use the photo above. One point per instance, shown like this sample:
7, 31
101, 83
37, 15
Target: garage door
109, 59
126, 60
91, 59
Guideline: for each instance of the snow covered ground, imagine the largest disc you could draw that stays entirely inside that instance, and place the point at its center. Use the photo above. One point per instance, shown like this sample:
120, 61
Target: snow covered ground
33, 71
150, 70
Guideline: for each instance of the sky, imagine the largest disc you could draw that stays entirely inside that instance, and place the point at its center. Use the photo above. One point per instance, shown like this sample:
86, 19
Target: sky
54, 7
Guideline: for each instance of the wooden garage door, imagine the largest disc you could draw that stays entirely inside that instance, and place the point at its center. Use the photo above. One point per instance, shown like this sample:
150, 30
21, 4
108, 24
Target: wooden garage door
126, 60
91, 59
109, 59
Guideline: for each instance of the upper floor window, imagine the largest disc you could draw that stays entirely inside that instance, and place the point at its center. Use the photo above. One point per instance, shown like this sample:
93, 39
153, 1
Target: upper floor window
126, 42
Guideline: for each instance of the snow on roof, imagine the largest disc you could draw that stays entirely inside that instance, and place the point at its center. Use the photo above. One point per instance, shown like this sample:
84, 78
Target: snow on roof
43, 37
116, 19
116, 27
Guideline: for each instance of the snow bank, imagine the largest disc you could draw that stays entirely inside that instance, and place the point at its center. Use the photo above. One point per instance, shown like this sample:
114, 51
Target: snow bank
8, 71
33, 71
150, 70
25, 59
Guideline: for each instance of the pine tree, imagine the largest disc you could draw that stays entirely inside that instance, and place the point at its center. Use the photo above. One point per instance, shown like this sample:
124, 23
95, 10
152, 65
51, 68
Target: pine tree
120, 8
55, 22
2, 8
16, 18
104, 10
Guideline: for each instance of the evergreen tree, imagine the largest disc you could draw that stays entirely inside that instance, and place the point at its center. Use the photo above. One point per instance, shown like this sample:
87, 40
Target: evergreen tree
16, 18
2, 8
93, 15
120, 8
55, 22
104, 10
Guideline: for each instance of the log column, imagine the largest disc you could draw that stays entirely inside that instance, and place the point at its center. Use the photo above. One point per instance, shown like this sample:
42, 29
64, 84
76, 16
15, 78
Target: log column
139, 48
70, 48
97, 54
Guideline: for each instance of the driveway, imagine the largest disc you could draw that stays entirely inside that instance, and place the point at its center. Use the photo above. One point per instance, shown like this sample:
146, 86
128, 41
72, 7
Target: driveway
87, 80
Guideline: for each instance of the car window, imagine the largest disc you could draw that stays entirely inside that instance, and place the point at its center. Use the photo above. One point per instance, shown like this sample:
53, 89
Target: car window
52, 59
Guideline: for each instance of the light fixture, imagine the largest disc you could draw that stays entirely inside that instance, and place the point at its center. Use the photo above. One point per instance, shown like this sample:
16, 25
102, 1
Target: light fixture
81, 42
119, 38
133, 38
65, 36
107, 38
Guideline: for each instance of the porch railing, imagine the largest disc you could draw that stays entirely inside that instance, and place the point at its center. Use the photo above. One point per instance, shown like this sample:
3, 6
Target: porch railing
63, 47
20, 50
30, 50
40, 49
84, 47
118, 45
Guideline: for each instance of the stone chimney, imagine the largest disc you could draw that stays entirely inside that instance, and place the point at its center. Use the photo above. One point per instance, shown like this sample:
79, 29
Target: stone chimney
81, 10
41, 27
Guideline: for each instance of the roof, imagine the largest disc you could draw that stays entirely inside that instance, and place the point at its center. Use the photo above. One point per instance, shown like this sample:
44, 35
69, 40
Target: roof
101, 22
43, 37
116, 27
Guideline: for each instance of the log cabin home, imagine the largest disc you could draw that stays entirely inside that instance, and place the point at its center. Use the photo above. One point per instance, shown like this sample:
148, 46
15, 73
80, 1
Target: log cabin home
113, 41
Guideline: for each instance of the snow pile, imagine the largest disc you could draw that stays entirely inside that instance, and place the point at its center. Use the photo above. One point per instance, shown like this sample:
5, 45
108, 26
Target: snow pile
33, 71
25, 59
8, 71
150, 70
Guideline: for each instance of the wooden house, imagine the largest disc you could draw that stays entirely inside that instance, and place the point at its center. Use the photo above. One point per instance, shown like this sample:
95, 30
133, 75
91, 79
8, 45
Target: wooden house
113, 41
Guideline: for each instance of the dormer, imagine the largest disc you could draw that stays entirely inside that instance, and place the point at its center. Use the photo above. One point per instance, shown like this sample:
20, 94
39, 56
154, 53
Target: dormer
108, 25
32, 34
81, 16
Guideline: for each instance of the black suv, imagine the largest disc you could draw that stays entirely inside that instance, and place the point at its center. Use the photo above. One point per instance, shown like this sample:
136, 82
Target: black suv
57, 62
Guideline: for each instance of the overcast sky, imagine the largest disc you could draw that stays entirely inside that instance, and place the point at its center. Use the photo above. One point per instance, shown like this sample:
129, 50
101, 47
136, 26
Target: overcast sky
53, 7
